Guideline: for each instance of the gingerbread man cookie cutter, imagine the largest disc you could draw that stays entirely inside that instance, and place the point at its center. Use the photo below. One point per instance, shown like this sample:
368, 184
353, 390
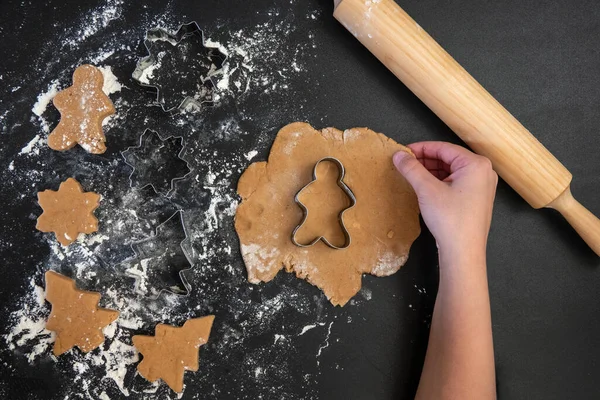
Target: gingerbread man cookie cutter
148, 67
347, 191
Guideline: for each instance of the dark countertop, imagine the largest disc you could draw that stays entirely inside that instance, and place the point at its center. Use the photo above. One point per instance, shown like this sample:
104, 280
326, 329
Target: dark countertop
540, 60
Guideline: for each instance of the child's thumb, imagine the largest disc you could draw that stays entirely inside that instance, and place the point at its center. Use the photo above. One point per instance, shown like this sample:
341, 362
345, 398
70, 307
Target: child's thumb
413, 171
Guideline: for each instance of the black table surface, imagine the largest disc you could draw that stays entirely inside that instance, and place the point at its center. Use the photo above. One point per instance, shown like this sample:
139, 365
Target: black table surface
540, 59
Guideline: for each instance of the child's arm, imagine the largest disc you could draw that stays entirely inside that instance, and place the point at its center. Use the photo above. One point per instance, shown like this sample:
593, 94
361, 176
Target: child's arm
456, 190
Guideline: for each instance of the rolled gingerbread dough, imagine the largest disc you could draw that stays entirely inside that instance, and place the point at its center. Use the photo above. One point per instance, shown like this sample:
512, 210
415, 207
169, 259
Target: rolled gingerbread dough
382, 226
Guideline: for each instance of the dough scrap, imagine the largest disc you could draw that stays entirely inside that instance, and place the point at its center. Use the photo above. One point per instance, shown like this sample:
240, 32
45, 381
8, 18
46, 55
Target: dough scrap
82, 108
383, 224
68, 211
172, 350
75, 317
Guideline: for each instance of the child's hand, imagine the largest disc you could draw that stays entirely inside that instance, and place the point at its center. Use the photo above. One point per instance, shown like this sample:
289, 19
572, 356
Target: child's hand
456, 193
456, 190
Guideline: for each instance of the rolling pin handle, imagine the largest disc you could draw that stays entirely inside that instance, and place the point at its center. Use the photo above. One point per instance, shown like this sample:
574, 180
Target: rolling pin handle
585, 223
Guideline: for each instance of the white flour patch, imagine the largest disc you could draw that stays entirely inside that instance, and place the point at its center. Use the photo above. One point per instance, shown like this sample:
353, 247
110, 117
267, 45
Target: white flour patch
350, 134
148, 73
33, 147
39, 108
325, 343
422, 290
307, 328
216, 45
258, 260
278, 338
45, 98
250, 155
111, 83
28, 324
388, 264
366, 293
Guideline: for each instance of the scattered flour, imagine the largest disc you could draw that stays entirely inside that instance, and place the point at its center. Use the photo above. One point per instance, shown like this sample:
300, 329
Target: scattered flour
93, 22
255, 67
254, 63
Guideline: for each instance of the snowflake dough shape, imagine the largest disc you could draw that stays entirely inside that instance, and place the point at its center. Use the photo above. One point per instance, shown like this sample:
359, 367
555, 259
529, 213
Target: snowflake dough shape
172, 350
75, 317
180, 67
156, 162
68, 211
82, 108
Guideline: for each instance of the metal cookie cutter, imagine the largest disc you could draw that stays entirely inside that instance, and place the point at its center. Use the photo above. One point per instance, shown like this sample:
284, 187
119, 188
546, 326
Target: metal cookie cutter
166, 255
149, 163
345, 188
179, 68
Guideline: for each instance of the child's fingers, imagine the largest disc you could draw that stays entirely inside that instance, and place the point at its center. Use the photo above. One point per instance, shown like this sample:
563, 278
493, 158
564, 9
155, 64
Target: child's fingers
454, 156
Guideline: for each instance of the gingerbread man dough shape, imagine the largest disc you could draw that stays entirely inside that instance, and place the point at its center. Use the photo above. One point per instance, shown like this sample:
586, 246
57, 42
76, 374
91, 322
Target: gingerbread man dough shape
82, 108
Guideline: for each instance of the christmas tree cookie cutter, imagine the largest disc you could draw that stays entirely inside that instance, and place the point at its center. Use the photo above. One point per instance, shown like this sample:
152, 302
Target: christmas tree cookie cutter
145, 250
180, 67
347, 191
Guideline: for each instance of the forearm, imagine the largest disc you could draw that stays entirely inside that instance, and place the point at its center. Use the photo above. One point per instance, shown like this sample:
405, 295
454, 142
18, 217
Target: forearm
460, 358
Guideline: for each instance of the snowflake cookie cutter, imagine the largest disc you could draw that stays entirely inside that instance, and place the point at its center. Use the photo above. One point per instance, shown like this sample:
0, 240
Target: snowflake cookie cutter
347, 191
201, 74
142, 254
148, 139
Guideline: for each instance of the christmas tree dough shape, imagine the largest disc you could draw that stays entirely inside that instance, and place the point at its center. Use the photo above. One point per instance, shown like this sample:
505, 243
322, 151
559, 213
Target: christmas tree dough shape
75, 317
68, 211
382, 225
172, 350
82, 108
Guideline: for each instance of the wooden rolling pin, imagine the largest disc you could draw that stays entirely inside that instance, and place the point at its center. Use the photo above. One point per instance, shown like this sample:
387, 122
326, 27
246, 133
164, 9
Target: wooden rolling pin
467, 108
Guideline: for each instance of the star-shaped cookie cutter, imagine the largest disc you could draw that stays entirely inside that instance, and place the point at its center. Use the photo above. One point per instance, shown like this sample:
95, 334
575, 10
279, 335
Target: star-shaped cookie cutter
347, 191
144, 139
146, 65
136, 247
